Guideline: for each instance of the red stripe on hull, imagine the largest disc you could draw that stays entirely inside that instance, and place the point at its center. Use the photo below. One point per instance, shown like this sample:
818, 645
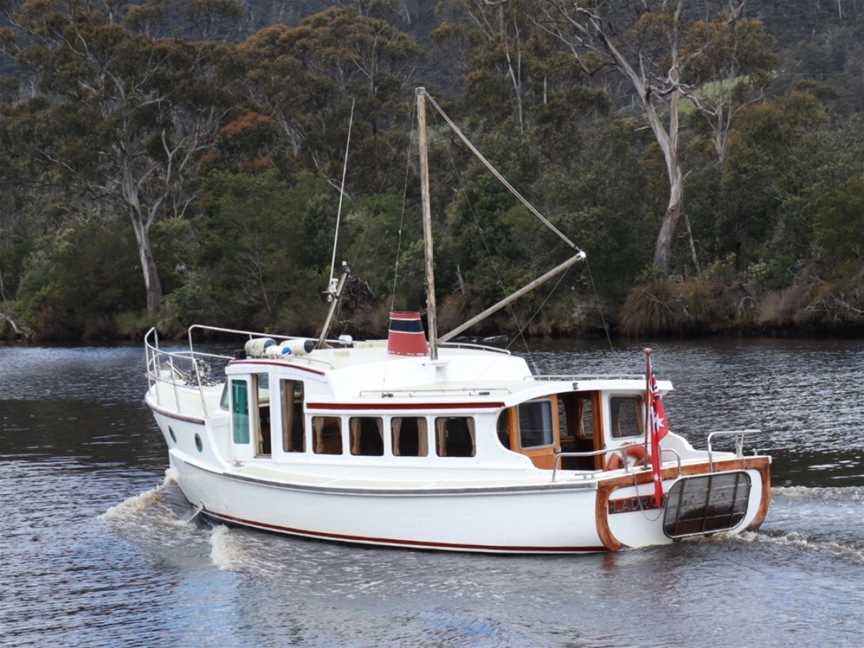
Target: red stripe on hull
402, 406
419, 544
278, 364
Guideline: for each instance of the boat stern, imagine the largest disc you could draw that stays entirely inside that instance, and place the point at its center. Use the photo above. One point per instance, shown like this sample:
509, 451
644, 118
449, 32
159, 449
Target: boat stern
727, 496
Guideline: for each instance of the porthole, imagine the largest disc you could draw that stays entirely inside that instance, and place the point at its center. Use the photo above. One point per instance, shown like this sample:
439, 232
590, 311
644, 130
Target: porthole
198, 443
173, 436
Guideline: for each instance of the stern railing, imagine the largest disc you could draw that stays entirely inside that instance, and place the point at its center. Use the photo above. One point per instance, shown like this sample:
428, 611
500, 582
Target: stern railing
619, 449
737, 435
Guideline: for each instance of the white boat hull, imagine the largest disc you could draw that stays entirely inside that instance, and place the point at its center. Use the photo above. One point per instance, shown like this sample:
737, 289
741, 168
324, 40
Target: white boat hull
494, 520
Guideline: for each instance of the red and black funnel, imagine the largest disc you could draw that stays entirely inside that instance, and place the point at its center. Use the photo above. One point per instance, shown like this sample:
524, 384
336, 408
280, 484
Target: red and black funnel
406, 335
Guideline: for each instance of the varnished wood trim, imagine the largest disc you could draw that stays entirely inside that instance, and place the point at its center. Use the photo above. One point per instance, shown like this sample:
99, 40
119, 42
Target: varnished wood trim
607, 486
276, 363
175, 415
601, 515
762, 512
644, 477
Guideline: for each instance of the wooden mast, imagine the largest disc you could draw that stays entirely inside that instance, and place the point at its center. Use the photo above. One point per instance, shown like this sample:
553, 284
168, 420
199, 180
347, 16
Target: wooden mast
423, 144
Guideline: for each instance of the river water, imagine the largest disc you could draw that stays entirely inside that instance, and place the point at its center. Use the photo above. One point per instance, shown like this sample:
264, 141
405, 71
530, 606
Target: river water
95, 549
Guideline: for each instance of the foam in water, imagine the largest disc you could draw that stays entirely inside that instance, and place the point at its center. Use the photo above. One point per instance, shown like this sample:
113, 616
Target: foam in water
132, 506
798, 541
225, 552
845, 493
792, 540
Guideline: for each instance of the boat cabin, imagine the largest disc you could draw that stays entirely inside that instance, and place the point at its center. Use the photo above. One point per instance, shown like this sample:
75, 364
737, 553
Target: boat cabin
282, 413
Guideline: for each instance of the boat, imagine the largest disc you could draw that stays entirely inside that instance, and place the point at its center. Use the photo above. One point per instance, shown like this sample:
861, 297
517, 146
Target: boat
422, 441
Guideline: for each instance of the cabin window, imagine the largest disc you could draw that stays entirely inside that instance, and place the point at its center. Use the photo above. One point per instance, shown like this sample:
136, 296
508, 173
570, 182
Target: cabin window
409, 436
535, 424
367, 436
262, 403
240, 410
223, 399
454, 436
626, 415
293, 428
327, 435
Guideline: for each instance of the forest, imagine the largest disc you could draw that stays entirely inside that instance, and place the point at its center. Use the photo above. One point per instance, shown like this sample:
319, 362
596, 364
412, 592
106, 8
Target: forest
168, 162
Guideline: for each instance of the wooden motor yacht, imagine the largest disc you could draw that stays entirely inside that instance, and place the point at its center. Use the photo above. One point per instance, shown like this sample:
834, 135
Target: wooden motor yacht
420, 441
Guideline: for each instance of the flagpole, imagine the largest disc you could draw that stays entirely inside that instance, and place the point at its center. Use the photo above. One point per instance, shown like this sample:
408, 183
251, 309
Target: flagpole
648, 423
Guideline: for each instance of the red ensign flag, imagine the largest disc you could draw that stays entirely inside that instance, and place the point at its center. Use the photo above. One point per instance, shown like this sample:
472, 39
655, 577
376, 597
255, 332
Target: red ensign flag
658, 427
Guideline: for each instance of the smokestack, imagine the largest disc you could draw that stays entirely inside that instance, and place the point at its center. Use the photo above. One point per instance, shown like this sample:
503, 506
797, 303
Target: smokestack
406, 335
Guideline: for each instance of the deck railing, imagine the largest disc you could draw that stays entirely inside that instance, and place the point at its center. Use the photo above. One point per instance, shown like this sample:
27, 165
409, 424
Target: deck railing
737, 435
620, 449
184, 369
576, 377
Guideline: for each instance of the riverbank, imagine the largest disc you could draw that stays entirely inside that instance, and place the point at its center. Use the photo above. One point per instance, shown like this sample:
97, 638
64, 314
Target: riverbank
719, 302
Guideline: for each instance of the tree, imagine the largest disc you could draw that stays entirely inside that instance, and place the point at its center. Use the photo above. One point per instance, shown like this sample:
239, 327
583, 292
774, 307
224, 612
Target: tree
730, 60
643, 43
125, 117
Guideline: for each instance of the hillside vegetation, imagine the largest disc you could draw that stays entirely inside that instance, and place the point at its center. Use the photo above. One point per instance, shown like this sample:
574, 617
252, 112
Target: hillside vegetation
169, 162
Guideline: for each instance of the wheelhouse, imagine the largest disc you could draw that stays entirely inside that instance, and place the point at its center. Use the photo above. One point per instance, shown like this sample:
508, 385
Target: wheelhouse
278, 413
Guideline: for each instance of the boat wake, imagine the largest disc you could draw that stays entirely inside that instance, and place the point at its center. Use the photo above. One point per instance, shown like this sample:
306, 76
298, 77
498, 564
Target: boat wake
132, 507
842, 493
795, 540
790, 540
225, 551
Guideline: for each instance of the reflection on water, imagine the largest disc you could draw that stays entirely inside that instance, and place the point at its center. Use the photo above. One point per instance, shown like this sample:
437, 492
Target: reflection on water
98, 550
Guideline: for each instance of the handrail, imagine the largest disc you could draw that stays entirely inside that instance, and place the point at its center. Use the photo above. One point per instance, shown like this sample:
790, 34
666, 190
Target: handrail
471, 345
220, 329
153, 355
586, 377
592, 453
739, 442
427, 391
677, 458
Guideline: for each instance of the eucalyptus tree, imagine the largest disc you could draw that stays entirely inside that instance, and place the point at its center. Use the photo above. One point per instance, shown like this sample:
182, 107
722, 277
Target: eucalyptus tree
645, 43
124, 118
305, 78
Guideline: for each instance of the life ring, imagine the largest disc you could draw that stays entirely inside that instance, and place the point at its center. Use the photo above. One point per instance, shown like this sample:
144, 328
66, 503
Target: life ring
616, 462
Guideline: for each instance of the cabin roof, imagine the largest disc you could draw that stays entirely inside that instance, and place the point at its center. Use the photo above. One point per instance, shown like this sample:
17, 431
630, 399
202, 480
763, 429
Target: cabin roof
367, 372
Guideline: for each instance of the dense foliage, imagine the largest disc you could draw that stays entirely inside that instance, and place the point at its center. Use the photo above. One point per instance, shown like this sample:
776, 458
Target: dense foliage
168, 161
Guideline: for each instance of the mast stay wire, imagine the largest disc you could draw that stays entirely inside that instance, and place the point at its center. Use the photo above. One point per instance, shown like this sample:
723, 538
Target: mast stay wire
519, 328
500, 177
545, 221
331, 284
408, 148
599, 308
544, 302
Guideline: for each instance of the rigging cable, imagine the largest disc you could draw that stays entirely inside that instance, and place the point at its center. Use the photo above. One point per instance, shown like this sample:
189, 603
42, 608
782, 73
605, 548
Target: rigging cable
543, 304
331, 285
599, 308
500, 177
404, 203
519, 328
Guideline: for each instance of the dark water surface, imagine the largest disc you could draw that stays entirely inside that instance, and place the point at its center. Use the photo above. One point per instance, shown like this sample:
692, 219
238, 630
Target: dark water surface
95, 550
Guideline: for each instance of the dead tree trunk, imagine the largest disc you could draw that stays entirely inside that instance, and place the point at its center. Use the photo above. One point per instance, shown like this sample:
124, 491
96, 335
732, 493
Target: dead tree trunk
674, 210
152, 284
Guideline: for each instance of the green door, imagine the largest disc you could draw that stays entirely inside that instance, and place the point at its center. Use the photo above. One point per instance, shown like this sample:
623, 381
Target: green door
240, 410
